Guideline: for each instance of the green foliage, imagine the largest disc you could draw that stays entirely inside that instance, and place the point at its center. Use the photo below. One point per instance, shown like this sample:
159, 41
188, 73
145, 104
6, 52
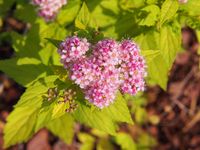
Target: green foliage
154, 25
87, 141
69, 12
168, 10
62, 127
19, 68
20, 125
192, 7
84, 18
125, 141
169, 44
105, 119
152, 13
21, 122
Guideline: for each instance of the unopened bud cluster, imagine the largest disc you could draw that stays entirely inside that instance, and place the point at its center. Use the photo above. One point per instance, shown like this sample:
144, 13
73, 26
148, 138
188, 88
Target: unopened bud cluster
48, 9
112, 66
52, 93
68, 97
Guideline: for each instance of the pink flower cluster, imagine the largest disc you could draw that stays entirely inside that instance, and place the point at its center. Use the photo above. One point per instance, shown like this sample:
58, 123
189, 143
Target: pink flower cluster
48, 9
110, 67
182, 1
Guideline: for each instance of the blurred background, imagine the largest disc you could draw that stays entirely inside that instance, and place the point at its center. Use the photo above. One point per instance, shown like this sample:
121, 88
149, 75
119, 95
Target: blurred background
164, 120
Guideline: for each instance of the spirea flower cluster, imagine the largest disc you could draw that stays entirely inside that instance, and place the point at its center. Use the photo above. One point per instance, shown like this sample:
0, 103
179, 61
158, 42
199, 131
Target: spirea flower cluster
183, 1
48, 9
110, 67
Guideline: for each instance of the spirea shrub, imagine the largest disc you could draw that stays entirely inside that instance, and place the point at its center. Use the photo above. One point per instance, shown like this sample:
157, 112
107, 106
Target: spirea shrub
109, 67
97, 75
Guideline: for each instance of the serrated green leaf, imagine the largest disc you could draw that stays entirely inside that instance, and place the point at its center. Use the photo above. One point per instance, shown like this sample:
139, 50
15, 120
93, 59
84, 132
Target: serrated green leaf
48, 51
158, 71
50, 111
33, 94
62, 127
20, 125
150, 54
131, 4
95, 119
18, 68
192, 7
53, 109
157, 67
21, 122
169, 44
125, 141
105, 119
84, 18
105, 11
68, 13
61, 72
87, 141
118, 111
150, 15
56, 43
59, 110
168, 10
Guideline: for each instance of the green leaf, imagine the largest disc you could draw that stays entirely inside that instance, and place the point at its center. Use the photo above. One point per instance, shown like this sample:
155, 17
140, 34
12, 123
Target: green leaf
62, 127
131, 4
192, 7
33, 94
104, 144
150, 54
56, 43
169, 44
140, 115
20, 125
50, 111
22, 120
106, 118
125, 141
84, 18
95, 119
18, 68
53, 109
158, 71
48, 51
168, 10
146, 140
105, 11
87, 141
118, 111
69, 12
61, 72
28, 8
152, 13
150, 48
